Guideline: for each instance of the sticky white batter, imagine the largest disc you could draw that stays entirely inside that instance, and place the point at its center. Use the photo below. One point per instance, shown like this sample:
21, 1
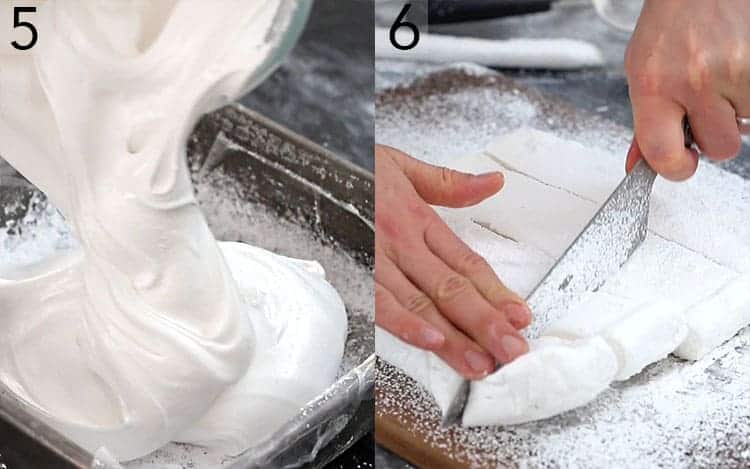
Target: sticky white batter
149, 331
692, 256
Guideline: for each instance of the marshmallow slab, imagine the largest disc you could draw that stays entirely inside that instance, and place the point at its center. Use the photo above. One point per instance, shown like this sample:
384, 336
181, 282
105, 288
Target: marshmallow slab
555, 376
587, 172
517, 264
529, 211
706, 214
645, 335
664, 269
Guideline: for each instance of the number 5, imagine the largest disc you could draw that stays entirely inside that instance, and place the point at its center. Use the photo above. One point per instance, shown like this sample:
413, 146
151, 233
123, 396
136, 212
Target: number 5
17, 23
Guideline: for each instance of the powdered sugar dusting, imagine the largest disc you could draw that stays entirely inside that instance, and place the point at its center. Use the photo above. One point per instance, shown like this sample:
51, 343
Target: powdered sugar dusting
670, 415
456, 111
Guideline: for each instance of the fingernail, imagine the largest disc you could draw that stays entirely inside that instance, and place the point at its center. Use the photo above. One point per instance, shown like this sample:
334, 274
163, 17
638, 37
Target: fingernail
517, 313
479, 362
492, 175
432, 338
513, 347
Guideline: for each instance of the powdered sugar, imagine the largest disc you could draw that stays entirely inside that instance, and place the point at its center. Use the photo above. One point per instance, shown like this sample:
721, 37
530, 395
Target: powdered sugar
670, 415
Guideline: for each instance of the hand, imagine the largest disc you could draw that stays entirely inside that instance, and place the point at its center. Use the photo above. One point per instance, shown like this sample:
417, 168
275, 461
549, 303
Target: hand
431, 289
688, 57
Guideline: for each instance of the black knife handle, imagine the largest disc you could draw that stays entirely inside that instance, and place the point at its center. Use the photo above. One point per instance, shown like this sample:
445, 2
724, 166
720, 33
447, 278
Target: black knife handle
687, 132
456, 11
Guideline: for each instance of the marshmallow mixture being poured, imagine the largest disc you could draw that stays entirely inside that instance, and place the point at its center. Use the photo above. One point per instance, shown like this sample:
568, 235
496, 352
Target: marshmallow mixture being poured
149, 331
685, 291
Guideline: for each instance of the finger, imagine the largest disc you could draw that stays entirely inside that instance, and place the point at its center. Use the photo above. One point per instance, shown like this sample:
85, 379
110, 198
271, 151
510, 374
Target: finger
634, 156
458, 351
659, 133
462, 259
714, 127
442, 186
407, 326
457, 298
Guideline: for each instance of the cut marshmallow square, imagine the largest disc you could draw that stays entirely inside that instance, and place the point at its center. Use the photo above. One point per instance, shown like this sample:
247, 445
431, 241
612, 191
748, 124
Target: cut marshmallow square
639, 332
645, 335
556, 375
715, 320
525, 211
597, 312
590, 173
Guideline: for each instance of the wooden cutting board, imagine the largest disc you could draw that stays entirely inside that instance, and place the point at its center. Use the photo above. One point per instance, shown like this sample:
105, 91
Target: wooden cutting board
407, 433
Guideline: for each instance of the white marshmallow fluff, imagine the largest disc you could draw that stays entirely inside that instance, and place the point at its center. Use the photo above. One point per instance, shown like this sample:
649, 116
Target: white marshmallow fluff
149, 331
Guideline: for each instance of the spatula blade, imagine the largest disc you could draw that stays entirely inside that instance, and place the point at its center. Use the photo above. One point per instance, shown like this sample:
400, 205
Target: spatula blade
598, 252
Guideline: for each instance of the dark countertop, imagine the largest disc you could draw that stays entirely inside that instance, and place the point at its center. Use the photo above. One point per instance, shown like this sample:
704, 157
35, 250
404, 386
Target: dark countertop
601, 91
360, 456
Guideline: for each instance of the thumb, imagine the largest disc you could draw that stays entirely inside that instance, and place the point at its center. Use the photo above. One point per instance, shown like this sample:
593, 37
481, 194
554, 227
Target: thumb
450, 188
660, 136
446, 187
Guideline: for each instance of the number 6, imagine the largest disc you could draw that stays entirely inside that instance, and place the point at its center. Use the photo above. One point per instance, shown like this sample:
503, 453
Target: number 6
398, 24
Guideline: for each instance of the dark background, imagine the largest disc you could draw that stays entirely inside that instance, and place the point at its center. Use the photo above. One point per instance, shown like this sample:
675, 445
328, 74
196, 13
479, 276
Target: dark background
325, 92
325, 89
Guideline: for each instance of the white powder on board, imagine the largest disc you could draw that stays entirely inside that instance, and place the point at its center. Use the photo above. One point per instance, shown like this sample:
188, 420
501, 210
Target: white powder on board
459, 110
393, 73
670, 415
